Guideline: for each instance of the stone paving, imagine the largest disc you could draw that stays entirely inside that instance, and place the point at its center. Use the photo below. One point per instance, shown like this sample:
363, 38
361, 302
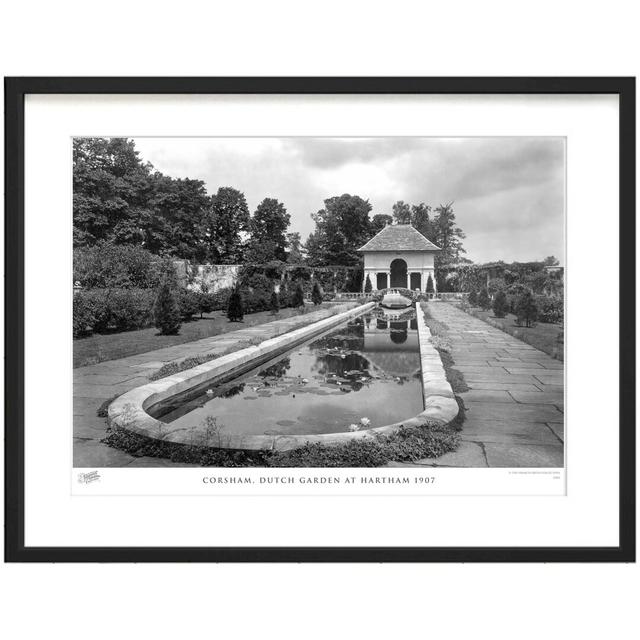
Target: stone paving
94, 384
515, 404
514, 407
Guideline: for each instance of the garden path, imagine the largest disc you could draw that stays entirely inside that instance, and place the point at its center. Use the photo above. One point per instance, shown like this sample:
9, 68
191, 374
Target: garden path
515, 402
94, 384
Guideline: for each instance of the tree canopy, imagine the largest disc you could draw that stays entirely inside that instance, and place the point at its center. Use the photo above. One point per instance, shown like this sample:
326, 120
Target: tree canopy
268, 228
229, 218
342, 227
120, 199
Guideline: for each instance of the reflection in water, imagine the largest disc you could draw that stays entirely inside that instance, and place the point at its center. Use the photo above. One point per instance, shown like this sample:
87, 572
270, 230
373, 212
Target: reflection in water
362, 369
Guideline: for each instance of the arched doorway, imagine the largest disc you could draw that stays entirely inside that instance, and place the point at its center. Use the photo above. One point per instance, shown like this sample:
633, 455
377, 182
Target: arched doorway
398, 273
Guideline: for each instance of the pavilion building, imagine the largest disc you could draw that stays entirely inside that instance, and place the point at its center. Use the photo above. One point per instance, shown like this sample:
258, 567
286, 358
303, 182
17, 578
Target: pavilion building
399, 256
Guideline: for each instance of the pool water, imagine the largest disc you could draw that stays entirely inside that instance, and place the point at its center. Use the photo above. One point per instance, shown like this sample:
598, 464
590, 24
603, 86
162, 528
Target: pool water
364, 372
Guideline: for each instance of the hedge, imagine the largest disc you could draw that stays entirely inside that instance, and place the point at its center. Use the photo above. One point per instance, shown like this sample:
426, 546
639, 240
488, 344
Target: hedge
109, 266
550, 309
103, 310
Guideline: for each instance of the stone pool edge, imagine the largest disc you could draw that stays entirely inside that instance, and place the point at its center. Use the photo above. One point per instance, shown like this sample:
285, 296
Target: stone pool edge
440, 404
128, 411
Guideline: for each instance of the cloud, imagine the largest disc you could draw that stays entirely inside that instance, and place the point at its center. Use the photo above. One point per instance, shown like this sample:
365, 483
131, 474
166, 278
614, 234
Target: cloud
508, 193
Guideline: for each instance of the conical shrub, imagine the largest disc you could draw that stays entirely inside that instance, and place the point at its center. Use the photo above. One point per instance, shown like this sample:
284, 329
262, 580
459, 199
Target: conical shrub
500, 305
275, 302
298, 297
430, 288
166, 311
235, 307
316, 294
526, 310
484, 302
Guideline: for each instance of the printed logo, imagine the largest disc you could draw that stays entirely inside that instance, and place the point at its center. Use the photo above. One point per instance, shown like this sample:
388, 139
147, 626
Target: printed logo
86, 478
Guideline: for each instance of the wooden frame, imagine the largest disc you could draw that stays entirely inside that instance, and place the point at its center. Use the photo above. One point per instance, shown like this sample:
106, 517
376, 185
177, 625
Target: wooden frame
15, 91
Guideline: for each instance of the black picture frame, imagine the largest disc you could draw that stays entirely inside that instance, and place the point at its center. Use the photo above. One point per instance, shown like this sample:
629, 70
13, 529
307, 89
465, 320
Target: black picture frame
15, 91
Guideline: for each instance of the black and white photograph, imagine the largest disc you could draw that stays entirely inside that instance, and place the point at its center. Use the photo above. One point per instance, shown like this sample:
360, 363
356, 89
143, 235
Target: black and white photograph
386, 323
316, 302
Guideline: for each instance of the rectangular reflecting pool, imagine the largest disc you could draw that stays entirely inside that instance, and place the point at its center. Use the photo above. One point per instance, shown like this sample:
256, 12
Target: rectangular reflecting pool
365, 372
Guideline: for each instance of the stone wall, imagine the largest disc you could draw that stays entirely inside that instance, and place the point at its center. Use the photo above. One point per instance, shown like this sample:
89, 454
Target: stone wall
213, 276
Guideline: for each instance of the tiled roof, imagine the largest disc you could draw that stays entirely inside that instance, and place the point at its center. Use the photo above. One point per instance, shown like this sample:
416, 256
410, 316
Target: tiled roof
399, 237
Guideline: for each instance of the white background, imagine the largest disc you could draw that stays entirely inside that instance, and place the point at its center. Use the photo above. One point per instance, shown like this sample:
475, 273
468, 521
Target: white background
56, 518
401, 38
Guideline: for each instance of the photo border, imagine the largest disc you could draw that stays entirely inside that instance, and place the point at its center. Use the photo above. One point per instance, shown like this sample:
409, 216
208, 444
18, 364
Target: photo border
15, 91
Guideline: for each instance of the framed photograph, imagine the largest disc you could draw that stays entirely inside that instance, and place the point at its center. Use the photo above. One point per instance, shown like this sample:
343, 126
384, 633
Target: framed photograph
320, 319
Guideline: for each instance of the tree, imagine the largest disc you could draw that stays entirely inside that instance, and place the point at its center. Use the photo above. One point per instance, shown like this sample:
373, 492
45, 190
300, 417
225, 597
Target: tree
178, 223
430, 288
294, 246
526, 310
342, 227
473, 298
500, 304
235, 308
268, 228
447, 235
367, 285
166, 311
421, 220
275, 302
316, 293
484, 302
111, 191
402, 212
379, 222
120, 199
298, 297
228, 218
551, 261
205, 301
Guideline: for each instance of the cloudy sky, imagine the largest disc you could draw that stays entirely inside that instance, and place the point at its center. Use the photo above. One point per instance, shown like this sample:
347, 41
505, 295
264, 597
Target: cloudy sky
508, 193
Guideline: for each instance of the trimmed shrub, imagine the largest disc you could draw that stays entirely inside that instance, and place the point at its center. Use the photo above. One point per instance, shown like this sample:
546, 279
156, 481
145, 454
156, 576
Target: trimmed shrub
235, 310
367, 285
473, 298
221, 299
189, 303
298, 297
108, 266
129, 309
500, 305
430, 288
84, 317
550, 309
484, 302
316, 294
275, 302
514, 292
206, 302
107, 310
526, 310
166, 311
284, 295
